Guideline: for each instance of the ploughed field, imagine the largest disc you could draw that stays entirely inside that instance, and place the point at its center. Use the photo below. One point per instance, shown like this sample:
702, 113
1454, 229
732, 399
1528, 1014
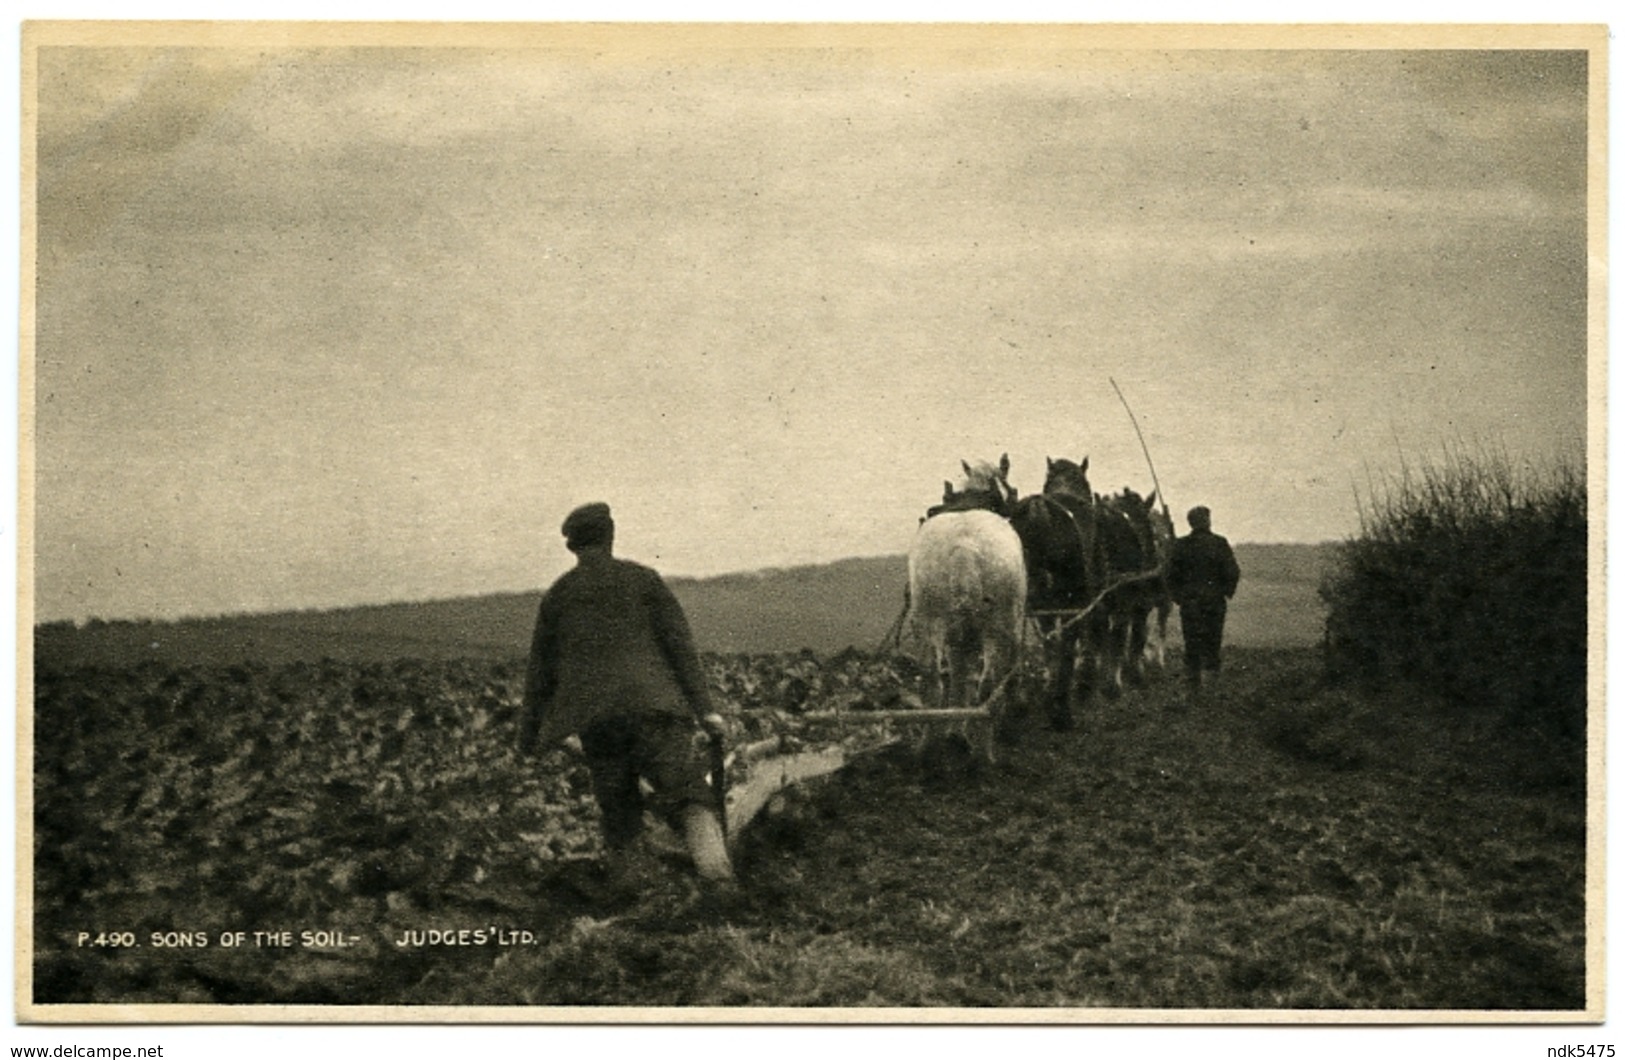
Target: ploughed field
348, 833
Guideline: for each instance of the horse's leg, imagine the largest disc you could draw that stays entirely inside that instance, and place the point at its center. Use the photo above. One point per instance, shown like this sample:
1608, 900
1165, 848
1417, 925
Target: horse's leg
1017, 699
1159, 649
962, 646
992, 654
1061, 649
1087, 643
956, 677
976, 729
1001, 653
1097, 655
939, 657
1134, 653
1123, 635
988, 648
1121, 664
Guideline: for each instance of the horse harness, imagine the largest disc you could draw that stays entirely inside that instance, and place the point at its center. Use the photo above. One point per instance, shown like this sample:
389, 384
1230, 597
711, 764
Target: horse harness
969, 501
1077, 527
1083, 551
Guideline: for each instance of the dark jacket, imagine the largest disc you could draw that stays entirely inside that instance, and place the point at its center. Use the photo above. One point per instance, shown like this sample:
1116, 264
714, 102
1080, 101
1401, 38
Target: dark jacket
610, 640
1202, 569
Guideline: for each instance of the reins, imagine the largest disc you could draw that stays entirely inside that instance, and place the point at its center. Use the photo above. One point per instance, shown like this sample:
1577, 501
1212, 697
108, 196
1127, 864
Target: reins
1078, 616
894, 636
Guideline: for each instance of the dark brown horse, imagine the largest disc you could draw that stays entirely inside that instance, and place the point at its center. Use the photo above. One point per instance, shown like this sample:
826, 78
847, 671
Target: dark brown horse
1141, 548
1066, 569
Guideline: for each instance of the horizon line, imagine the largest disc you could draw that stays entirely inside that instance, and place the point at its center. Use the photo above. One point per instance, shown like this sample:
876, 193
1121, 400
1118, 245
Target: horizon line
86, 621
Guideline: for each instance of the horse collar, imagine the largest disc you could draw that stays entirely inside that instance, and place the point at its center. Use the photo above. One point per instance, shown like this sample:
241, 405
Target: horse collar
969, 501
1077, 525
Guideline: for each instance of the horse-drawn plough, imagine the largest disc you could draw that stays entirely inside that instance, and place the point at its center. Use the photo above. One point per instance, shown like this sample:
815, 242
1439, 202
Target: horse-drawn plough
1077, 575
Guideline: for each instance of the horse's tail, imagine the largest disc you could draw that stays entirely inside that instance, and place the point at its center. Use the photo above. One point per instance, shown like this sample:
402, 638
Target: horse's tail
968, 594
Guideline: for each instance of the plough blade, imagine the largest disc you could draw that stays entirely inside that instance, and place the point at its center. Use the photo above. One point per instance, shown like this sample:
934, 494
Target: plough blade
773, 775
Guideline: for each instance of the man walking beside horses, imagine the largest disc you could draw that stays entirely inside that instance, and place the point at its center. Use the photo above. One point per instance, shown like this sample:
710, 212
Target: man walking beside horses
1202, 577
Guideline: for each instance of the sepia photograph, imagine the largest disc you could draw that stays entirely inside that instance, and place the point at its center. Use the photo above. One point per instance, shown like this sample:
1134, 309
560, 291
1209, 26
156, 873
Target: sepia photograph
726, 523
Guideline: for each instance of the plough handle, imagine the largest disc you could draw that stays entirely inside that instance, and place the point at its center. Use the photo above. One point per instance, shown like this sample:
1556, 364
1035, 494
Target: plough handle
719, 776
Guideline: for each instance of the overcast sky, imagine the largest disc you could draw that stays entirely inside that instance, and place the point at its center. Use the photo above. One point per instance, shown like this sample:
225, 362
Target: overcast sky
331, 326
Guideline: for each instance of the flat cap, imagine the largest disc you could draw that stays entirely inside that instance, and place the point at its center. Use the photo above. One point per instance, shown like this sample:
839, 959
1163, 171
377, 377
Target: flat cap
589, 524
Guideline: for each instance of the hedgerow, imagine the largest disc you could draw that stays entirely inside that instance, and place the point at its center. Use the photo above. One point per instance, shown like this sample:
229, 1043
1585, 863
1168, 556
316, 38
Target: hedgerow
1468, 578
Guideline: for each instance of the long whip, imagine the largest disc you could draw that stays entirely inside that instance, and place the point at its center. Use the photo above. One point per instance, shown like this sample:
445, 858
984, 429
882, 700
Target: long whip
1143, 447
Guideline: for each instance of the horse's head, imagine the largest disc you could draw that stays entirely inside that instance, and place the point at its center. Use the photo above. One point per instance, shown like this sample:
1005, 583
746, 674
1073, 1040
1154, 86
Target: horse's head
1064, 478
1135, 506
1146, 508
983, 482
1059, 534
983, 476
1152, 524
1136, 510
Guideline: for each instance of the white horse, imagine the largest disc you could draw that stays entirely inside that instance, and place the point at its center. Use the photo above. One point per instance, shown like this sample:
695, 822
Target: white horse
967, 586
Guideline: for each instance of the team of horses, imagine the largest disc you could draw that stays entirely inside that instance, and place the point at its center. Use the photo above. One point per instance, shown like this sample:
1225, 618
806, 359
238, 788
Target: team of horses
1086, 570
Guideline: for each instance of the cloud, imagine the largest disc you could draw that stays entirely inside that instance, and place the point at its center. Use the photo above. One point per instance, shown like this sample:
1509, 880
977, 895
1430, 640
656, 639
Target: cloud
373, 315
110, 123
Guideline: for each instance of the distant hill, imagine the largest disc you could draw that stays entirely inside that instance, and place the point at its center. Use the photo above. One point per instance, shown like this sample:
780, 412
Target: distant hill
824, 608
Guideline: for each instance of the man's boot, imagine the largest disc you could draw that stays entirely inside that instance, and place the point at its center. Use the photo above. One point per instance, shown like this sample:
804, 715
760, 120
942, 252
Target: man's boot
629, 871
703, 833
1193, 685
